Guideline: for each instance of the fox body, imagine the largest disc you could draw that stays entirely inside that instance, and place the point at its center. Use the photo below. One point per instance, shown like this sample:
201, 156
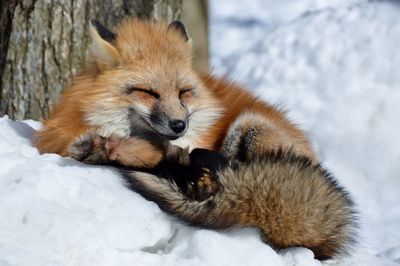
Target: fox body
292, 201
140, 93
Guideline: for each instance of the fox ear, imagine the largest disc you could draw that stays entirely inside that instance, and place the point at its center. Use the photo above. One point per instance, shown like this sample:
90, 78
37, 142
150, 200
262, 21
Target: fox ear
102, 48
178, 26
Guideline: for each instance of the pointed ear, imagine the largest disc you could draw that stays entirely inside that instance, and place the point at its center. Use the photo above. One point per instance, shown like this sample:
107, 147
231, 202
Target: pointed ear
102, 48
178, 26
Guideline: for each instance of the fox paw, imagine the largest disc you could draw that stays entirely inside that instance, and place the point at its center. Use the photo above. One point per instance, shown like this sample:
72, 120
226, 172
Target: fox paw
91, 148
204, 186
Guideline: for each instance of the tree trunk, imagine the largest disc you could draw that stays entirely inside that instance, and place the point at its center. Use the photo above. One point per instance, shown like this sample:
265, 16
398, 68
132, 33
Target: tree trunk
43, 43
195, 16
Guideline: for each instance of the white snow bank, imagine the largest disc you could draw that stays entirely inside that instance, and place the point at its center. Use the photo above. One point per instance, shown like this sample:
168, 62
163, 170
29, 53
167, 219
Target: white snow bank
61, 212
57, 211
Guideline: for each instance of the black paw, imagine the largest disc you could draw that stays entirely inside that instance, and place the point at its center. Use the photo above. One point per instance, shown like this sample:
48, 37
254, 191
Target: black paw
203, 186
89, 148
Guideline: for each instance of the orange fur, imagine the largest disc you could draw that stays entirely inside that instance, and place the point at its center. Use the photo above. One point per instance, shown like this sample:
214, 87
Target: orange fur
66, 121
143, 50
237, 101
144, 154
149, 56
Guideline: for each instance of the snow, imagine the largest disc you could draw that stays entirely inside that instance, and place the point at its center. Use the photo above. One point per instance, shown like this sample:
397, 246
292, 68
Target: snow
333, 64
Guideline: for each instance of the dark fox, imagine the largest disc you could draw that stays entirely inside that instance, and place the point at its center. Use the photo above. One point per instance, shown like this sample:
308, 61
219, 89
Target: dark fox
292, 201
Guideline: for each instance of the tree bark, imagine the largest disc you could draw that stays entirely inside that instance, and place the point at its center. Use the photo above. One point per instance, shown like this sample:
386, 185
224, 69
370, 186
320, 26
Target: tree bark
195, 16
43, 43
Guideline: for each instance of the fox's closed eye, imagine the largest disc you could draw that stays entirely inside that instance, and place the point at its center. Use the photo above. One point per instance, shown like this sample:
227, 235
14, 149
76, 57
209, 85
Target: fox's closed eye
132, 89
186, 95
185, 92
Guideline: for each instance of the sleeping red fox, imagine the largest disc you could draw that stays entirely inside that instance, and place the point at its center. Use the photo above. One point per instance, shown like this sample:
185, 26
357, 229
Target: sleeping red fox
140, 95
141, 86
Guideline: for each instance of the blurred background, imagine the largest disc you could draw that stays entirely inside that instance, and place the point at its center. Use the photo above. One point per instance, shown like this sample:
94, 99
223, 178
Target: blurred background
332, 64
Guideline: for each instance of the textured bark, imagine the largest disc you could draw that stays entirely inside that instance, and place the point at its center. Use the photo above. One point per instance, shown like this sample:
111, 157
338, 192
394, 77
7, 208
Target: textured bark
43, 43
195, 16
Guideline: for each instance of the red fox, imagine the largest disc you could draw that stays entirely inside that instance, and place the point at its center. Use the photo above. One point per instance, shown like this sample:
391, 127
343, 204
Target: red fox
140, 96
290, 200
140, 92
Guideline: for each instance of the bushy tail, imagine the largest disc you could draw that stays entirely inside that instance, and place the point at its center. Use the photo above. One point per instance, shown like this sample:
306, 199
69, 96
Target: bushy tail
170, 199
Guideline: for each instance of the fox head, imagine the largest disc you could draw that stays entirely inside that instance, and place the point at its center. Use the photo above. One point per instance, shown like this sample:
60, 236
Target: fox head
143, 79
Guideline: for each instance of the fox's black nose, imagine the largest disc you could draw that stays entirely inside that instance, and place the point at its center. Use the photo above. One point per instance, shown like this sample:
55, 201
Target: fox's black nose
177, 125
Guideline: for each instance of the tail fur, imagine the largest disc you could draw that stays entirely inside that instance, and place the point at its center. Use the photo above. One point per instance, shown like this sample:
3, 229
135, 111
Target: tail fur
172, 200
292, 201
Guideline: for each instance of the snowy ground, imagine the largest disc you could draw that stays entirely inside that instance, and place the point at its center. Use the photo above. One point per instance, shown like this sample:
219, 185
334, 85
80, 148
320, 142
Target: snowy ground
334, 64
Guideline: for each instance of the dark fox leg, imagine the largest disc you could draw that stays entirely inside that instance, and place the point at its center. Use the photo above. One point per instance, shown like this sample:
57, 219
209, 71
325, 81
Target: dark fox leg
253, 135
135, 152
89, 148
195, 173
